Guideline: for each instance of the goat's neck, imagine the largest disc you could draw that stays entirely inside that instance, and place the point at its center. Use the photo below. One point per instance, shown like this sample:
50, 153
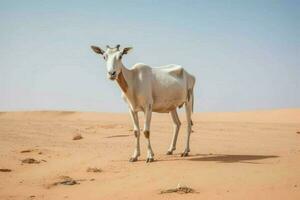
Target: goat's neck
123, 79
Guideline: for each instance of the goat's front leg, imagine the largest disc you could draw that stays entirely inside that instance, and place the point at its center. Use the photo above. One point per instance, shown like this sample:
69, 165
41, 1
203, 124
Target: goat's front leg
148, 114
136, 131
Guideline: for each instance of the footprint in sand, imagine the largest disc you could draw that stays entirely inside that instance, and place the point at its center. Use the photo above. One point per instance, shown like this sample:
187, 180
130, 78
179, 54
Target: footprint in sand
109, 126
5, 170
32, 161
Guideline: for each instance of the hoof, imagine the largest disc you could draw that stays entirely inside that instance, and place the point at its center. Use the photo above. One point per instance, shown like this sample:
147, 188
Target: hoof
169, 153
185, 154
149, 160
133, 159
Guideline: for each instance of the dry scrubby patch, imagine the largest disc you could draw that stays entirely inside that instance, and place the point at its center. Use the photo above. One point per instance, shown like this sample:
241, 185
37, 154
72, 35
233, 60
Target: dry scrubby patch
67, 180
179, 189
94, 169
64, 180
32, 161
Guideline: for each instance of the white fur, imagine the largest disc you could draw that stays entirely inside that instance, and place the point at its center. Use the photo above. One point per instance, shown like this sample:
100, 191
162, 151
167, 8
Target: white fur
161, 90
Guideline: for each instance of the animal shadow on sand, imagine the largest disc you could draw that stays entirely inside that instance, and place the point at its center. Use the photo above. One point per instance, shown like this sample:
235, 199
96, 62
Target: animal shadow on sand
115, 136
227, 158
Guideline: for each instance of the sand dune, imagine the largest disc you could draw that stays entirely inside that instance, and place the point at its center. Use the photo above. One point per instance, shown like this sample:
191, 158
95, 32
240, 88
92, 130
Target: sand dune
243, 155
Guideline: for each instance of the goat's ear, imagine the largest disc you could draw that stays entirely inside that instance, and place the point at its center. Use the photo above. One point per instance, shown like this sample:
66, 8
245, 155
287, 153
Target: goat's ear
97, 50
126, 50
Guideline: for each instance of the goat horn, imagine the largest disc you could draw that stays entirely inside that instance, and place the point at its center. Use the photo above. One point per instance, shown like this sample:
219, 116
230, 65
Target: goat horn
107, 46
118, 46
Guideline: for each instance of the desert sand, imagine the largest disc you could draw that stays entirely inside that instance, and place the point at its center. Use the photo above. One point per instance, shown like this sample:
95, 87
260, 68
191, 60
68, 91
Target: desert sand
243, 155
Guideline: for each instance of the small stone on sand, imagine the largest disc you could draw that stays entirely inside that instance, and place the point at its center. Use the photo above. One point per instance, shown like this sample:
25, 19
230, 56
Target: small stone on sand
26, 151
5, 170
77, 137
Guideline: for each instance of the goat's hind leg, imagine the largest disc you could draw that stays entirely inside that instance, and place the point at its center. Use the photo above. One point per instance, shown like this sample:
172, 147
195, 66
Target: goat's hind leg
188, 111
176, 124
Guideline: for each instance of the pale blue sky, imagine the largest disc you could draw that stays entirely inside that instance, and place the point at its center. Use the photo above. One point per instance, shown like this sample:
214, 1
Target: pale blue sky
245, 54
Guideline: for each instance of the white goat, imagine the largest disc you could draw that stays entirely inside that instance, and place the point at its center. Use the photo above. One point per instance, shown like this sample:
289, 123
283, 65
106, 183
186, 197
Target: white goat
150, 90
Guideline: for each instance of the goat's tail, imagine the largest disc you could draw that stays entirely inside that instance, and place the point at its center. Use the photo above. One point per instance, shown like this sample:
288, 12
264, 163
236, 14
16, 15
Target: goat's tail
191, 96
191, 92
192, 103
192, 100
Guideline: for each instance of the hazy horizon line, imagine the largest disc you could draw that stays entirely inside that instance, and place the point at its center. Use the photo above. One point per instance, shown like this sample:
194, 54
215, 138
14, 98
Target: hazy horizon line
84, 111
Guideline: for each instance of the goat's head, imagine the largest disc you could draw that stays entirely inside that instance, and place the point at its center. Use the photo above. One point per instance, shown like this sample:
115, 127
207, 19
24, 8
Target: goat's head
113, 58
